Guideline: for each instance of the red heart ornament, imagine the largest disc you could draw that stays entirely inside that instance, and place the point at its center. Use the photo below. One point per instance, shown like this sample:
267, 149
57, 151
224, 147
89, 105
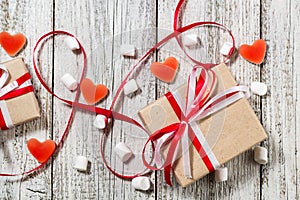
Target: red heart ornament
42, 151
12, 44
165, 71
254, 53
92, 93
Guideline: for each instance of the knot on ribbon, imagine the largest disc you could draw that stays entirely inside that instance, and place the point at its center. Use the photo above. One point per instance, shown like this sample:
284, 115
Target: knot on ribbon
197, 105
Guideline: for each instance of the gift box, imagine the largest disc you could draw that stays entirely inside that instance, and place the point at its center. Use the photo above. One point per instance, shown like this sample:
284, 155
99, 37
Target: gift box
17, 100
229, 132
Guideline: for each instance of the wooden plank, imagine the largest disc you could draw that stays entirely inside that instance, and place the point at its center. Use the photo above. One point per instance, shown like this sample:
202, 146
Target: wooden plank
280, 20
130, 29
244, 174
84, 20
95, 22
295, 21
32, 18
102, 26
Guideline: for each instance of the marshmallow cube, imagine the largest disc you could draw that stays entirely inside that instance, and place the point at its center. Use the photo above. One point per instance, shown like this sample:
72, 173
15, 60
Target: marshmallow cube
261, 155
81, 163
221, 174
123, 151
127, 50
130, 87
101, 121
72, 43
259, 88
141, 183
190, 40
69, 82
225, 49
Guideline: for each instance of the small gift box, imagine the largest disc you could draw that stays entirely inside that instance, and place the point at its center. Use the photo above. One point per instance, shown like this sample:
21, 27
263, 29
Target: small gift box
18, 103
221, 130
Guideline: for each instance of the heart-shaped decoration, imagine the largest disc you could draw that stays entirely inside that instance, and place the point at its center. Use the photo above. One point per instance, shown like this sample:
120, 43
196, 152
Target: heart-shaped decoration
254, 53
12, 44
92, 93
42, 151
165, 71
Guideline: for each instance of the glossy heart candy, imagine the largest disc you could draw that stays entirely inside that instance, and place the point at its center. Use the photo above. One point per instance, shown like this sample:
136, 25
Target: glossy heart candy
42, 151
12, 44
165, 71
254, 53
92, 93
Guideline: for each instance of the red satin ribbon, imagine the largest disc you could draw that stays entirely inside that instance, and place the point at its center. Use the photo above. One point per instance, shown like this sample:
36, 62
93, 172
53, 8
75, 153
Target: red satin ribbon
2, 122
178, 130
177, 27
196, 143
109, 112
15, 93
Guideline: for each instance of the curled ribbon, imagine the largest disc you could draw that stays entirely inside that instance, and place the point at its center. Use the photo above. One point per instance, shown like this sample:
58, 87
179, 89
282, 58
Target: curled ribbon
196, 106
118, 116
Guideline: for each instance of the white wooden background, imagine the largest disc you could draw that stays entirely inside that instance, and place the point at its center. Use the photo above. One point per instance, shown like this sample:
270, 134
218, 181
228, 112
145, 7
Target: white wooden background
94, 22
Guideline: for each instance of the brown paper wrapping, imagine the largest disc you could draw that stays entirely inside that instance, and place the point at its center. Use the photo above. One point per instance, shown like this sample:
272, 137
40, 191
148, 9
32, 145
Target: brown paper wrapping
229, 132
25, 107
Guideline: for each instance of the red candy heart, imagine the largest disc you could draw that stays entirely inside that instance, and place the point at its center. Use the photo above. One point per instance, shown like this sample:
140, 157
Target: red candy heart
165, 71
12, 44
254, 53
92, 93
42, 151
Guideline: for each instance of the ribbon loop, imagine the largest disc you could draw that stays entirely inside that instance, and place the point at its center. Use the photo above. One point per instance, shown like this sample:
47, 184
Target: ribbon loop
170, 134
197, 106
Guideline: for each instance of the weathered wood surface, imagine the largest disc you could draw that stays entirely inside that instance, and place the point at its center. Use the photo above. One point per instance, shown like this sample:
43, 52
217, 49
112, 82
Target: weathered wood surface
26, 17
102, 26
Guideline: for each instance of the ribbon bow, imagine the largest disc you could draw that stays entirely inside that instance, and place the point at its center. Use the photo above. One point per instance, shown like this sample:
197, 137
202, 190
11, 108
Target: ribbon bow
20, 86
197, 106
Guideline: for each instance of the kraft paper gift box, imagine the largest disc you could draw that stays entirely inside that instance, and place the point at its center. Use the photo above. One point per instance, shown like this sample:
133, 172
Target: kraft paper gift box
229, 132
23, 107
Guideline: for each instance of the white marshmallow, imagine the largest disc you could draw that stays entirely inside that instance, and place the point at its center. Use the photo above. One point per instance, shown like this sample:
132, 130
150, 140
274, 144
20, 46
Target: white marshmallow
72, 43
141, 183
81, 163
130, 87
101, 121
225, 49
123, 151
259, 88
261, 155
190, 40
128, 50
69, 82
221, 174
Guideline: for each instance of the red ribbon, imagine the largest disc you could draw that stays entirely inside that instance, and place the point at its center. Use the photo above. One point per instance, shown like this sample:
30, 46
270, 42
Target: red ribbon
179, 128
109, 112
197, 106
15, 93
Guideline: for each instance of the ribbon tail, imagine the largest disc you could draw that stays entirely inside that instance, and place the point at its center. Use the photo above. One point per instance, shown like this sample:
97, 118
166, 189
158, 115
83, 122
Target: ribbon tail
186, 154
167, 173
160, 144
203, 147
171, 153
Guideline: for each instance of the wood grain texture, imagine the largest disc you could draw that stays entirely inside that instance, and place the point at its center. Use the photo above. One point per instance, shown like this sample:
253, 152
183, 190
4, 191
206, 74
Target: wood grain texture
244, 174
279, 28
24, 16
107, 25
102, 26
83, 138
